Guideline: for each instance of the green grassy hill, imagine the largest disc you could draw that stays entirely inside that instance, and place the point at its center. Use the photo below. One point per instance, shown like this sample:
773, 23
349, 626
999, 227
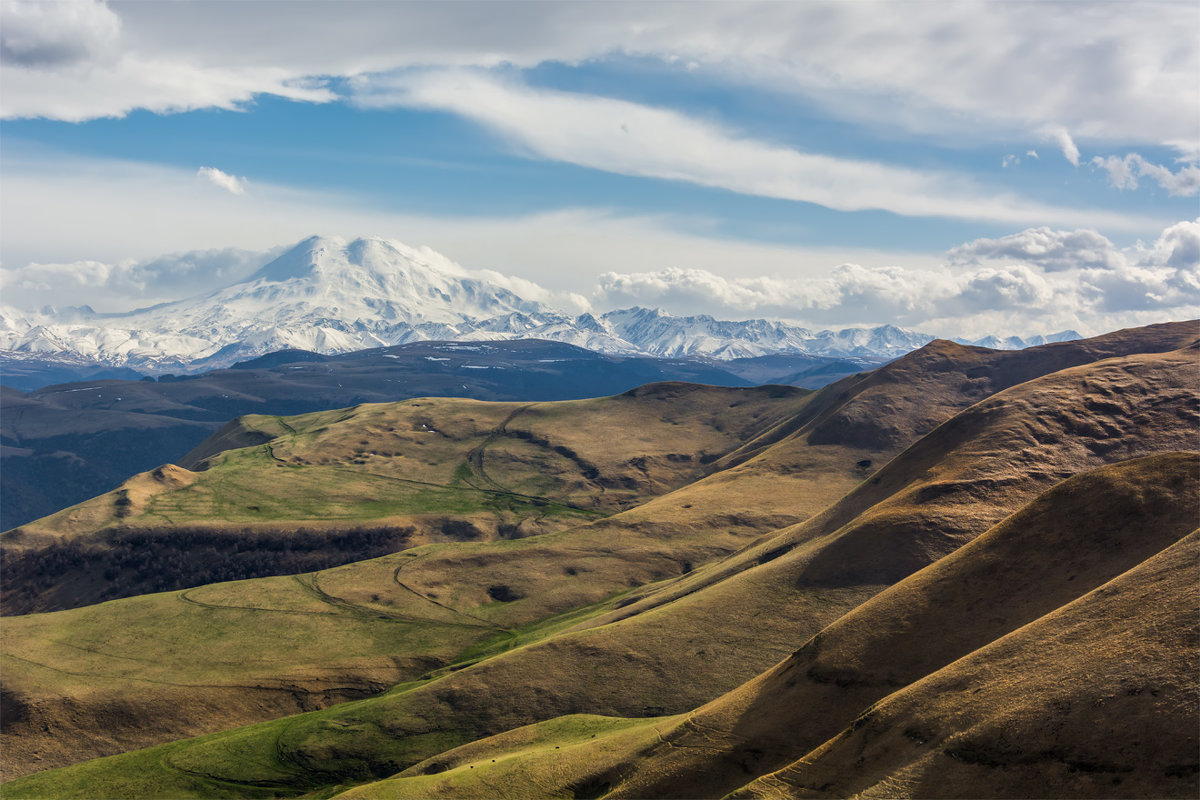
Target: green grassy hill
651, 612
1040, 695
376, 479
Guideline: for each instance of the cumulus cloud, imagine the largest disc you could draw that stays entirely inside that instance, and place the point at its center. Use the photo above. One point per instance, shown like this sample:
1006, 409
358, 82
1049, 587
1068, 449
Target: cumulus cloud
230, 183
634, 139
995, 288
850, 294
571, 302
44, 35
1038, 280
1049, 249
1178, 247
1105, 279
1123, 173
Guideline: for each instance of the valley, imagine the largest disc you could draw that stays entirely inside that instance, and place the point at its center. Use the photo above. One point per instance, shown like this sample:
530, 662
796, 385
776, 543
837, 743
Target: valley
969, 572
508, 400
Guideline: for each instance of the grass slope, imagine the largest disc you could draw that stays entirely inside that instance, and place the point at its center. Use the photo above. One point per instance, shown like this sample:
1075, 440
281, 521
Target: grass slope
436, 470
67, 443
1070, 540
1097, 699
998, 729
724, 626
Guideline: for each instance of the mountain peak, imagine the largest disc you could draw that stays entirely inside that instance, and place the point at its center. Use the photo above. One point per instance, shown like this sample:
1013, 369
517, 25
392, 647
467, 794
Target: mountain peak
328, 294
300, 261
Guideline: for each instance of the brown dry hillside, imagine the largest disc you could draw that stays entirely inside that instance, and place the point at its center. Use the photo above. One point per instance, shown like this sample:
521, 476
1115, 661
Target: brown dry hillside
853, 427
1070, 540
1097, 699
891, 407
659, 648
961, 478
727, 621
375, 478
998, 726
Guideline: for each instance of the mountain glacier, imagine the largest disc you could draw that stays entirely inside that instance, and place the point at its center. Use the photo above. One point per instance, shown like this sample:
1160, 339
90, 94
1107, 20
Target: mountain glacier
331, 296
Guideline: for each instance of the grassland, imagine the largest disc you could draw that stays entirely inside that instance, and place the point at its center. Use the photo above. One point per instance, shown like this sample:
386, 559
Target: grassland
751, 728
671, 606
441, 456
433, 470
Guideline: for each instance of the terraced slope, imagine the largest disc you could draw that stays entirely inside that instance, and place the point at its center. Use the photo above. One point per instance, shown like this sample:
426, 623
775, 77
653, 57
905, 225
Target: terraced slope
624, 656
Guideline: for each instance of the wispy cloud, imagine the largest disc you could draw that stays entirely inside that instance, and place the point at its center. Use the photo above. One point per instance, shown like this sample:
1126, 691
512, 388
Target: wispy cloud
166, 277
1122, 71
1065, 143
71, 219
230, 183
632, 139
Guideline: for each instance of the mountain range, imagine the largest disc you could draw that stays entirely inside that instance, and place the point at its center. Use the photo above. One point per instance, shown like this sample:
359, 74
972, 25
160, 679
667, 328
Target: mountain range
327, 295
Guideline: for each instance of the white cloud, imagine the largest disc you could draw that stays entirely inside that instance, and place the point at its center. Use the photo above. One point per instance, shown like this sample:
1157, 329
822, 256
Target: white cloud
1031, 153
632, 139
45, 35
1065, 143
1108, 279
1178, 247
1010, 160
105, 285
1047, 248
82, 231
230, 183
1189, 151
59, 208
571, 302
850, 294
1105, 71
1034, 281
1123, 173
159, 84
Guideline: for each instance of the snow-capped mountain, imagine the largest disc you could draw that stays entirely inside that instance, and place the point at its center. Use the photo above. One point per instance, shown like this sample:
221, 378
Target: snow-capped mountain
328, 295
1017, 343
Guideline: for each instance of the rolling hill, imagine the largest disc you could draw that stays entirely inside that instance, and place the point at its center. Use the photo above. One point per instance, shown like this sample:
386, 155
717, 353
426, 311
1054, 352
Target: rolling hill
920, 533
65, 443
390, 475
988, 674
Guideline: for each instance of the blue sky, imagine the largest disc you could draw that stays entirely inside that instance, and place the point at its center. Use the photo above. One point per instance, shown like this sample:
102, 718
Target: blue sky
683, 155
